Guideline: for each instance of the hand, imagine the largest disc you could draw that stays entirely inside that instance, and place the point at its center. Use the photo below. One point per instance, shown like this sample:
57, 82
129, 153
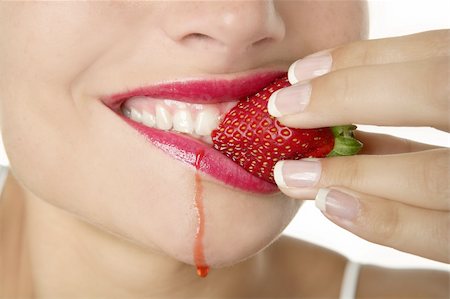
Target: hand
397, 192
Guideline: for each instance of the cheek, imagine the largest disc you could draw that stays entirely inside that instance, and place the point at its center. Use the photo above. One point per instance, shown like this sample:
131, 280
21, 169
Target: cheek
317, 25
87, 166
78, 156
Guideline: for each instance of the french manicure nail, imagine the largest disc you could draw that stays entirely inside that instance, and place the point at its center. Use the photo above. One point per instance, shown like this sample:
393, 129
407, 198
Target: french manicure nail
338, 204
310, 67
289, 100
299, 173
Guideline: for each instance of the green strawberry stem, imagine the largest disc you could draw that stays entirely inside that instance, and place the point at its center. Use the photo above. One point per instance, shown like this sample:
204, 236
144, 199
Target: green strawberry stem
345, 144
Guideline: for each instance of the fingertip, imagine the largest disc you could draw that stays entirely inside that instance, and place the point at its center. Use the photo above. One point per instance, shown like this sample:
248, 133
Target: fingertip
271, 105
278, 175
321, 198
291, 73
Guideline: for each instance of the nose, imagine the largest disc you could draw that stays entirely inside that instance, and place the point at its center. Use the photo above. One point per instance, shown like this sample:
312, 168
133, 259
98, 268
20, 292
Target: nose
229, 27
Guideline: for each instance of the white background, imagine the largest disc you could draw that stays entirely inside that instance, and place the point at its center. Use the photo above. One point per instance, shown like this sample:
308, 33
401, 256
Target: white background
388, 18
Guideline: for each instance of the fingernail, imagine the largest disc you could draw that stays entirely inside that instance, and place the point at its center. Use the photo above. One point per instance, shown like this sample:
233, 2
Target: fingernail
299, 173
310, 67
338, 204
289, 100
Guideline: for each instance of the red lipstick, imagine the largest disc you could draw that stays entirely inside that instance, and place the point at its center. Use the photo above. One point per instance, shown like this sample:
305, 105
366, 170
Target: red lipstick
198, 91
183, 147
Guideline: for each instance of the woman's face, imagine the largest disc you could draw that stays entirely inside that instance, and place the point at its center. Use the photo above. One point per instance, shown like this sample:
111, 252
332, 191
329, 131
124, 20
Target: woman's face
60, 61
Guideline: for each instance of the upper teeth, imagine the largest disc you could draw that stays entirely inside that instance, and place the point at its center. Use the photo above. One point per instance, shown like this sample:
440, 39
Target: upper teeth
182, 121
163, 118
206, 121
196, 119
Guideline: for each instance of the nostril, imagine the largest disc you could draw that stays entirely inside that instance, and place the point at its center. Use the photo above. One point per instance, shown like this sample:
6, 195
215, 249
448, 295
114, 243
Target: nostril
263, 41
226, 27
200, 41
196, 36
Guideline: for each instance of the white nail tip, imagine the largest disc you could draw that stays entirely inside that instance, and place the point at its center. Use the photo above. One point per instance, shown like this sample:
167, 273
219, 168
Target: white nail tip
321, 199
271, 107
278, 174
291, 73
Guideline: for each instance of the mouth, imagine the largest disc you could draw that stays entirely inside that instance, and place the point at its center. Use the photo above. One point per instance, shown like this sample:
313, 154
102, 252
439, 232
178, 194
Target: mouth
178, 118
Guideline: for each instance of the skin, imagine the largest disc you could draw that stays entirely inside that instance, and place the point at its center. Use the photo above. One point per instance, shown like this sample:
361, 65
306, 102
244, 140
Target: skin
85, 209
407, 78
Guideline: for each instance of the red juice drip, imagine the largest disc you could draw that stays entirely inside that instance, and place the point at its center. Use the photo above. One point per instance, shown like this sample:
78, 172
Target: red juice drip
199, 256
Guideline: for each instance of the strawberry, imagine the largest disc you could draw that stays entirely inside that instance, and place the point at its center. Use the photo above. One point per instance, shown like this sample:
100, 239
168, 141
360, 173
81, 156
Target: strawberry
255, 140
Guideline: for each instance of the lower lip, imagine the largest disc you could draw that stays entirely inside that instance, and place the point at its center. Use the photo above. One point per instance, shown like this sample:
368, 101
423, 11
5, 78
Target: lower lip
213, 163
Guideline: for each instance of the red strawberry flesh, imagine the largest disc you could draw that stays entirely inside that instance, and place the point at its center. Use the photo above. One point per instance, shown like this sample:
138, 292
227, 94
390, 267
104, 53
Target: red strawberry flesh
255, 140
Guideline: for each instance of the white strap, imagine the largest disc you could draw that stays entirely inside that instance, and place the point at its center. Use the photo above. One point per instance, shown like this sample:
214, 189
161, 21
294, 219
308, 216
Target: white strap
350, 280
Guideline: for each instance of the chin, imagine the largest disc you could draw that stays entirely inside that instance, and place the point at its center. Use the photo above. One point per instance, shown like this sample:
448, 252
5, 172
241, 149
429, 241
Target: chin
238, 225
121, 181
158, 207
242, 224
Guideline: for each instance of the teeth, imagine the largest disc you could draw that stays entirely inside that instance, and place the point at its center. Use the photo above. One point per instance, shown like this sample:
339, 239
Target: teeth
197, 106
176, 104
207, 139
126, 111
182, 122
136, 115
207, 120
163, 118
197, 120
148, 119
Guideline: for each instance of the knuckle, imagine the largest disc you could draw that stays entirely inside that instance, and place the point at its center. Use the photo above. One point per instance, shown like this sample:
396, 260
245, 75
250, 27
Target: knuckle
430, 44
434, 75
356, 53
346, 84
387, 225
440, 81
439, 42
434, 173
340, 83
341, 171
440, 232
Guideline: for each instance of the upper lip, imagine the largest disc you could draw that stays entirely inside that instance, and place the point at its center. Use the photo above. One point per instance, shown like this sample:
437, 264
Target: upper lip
202, 91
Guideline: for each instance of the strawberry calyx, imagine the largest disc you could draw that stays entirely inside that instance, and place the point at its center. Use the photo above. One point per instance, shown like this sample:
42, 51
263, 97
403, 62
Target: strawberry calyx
345, 144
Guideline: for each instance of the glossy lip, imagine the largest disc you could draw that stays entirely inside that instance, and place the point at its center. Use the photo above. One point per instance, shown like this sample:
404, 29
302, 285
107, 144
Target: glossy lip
184, 148
214, 163
198, 91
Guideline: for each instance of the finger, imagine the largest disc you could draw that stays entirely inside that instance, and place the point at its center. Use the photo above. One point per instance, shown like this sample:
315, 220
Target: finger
402, 94
420, 179
383, 144
419, 231
417, 46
